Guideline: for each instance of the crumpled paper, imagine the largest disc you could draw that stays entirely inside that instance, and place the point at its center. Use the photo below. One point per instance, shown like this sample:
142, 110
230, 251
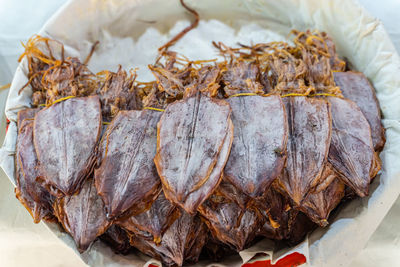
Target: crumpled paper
130, 33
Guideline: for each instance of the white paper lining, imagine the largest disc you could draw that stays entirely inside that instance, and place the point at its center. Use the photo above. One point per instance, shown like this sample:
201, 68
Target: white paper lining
130, 33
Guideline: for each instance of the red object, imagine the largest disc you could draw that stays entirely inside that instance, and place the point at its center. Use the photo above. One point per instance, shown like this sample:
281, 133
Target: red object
8, 123
291, 260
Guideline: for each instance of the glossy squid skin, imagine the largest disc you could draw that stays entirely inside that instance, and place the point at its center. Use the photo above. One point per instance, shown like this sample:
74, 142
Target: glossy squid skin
229, 223
216, 250
324, 198
28, 191
127, 178
230, 192
197, 197
82, 215
116, 238
283, 221
279, 214
351, 152
300, 227
194, 139
65, 137
310, 129
258, 151
181, 242
152, 223
356, 87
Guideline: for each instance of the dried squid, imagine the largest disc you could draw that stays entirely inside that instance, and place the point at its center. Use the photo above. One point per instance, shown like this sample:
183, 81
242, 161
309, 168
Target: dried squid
118, 92
127, 178
229, 223
29, 192
117, 239
207, 157
152, 223
351, 152
356, 87
51, 78
279, 214
324, 198
183, 240
260, 131
193, 144
308, 145
65, 137
258, 150
82, 215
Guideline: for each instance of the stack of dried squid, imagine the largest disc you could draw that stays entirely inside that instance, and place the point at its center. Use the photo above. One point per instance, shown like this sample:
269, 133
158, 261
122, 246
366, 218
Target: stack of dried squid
265, 143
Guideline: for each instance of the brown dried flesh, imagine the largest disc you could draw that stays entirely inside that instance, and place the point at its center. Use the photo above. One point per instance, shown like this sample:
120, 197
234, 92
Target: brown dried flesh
253, 197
